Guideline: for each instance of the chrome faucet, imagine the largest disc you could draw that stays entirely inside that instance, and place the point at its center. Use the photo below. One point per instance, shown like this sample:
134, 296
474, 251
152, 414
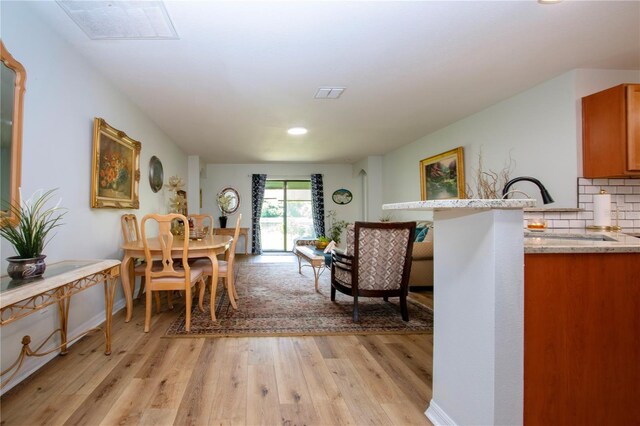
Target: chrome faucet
546, 197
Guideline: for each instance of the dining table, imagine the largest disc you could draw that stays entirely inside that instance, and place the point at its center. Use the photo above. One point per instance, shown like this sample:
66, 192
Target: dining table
209, 246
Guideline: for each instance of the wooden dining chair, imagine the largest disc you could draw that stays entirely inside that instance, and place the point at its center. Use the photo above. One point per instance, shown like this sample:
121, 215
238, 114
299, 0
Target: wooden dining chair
131, 233
202, 222
225, 272
169, 276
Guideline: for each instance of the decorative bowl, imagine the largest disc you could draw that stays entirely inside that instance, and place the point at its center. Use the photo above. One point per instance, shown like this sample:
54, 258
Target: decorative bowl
321, 245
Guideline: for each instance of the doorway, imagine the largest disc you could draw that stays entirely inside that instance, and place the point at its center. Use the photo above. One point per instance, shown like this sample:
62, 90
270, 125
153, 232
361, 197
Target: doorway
286, 214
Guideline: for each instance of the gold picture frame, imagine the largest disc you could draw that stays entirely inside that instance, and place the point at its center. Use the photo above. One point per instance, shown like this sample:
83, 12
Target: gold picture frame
115, 168
442, 176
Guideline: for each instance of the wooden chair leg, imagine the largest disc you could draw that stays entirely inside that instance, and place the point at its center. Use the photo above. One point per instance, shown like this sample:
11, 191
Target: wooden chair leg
188, 308
170, 299
141, 289
385, 298
202, 285
333, 294
356, 314
157, 296
147, 312
403, 307
235, 290
214, 287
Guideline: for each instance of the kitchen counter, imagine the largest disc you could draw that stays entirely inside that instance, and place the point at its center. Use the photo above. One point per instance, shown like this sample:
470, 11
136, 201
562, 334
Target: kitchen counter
579, 241
465, 203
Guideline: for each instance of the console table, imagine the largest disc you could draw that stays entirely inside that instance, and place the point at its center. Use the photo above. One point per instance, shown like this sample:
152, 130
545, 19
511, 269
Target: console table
244, 232
20, 298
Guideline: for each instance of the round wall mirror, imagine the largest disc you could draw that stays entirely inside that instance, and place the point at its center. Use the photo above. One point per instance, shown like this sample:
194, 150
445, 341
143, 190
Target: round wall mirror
228, 201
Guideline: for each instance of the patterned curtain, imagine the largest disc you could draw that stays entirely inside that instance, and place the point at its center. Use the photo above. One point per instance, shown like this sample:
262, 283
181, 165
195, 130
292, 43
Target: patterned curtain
317, 204
258, 183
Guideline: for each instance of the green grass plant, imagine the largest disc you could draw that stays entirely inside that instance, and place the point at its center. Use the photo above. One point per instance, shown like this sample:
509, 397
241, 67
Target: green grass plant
35, 221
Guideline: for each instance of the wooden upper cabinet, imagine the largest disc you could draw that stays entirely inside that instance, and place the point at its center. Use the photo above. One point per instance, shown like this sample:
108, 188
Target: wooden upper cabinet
611, 132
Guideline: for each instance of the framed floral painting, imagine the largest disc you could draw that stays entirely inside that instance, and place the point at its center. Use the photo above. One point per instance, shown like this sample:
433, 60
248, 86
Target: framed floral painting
442, 176
115, 170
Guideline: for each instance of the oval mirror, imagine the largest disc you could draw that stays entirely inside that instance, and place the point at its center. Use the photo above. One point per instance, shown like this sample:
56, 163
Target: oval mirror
228, 201
156, 174
12, 78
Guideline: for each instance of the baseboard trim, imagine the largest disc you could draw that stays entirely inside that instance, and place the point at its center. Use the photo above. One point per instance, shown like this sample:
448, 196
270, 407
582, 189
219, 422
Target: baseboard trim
92, 322
437, 415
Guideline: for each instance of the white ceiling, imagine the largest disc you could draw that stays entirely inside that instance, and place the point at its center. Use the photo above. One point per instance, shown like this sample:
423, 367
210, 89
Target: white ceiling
243, 72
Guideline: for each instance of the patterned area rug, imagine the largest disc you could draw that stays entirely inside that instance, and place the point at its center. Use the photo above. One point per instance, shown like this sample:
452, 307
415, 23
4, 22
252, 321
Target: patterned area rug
275, 300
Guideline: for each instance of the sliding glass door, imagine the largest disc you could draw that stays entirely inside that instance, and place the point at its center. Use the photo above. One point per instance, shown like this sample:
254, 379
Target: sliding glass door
286, 214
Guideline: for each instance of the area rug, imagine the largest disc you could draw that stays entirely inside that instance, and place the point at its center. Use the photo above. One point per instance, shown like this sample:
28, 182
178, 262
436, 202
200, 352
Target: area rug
275, 300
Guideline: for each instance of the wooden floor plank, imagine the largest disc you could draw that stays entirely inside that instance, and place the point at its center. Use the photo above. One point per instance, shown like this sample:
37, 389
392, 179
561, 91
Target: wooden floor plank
172, 376
404, 414
361, 403
316, 373
158, 417
370, 371
413, 387
229, 390
263, 404
195, 406
100, 401
292, 386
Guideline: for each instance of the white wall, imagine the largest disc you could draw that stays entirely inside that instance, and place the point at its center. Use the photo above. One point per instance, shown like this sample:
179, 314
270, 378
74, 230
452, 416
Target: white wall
238, 176
369, 173
64, 93
539, 128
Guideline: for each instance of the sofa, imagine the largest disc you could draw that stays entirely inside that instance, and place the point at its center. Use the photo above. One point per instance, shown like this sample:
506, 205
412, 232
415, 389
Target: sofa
422, 257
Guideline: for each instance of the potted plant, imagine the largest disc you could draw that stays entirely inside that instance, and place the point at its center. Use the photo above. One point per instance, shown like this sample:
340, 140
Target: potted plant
31, 234
334, 233
224, 203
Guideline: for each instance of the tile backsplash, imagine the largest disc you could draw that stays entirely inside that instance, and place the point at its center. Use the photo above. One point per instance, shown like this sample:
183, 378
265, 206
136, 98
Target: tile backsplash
625, 203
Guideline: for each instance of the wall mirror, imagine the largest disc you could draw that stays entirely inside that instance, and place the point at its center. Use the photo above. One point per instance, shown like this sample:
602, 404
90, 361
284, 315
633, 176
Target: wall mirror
12, 80
228, 201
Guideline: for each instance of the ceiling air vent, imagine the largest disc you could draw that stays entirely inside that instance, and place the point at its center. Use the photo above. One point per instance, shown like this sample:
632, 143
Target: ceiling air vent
329, 92
121, 20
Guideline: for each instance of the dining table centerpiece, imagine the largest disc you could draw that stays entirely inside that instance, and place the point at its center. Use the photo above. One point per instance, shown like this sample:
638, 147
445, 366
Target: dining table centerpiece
31, 234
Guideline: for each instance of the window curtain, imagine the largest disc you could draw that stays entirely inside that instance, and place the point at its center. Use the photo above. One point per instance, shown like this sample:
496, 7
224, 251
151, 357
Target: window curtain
258, 183
317, 204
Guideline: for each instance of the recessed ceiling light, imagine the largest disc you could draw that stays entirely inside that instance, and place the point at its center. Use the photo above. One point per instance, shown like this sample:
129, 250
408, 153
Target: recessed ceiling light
297, 131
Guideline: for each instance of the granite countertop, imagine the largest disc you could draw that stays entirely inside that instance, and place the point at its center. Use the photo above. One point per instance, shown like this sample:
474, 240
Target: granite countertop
467, 203
579, 241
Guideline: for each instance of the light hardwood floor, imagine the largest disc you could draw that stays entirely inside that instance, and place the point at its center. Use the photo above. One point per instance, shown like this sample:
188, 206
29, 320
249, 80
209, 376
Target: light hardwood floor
321, 380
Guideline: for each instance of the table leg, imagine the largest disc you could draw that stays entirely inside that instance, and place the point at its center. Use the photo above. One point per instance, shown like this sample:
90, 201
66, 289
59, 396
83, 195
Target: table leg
316, 274
299, 263
125, 277
214, 284
109, 295
63, 312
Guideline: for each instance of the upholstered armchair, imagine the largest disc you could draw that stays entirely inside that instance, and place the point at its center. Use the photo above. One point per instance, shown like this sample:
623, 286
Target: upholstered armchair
376, 263
422, 257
